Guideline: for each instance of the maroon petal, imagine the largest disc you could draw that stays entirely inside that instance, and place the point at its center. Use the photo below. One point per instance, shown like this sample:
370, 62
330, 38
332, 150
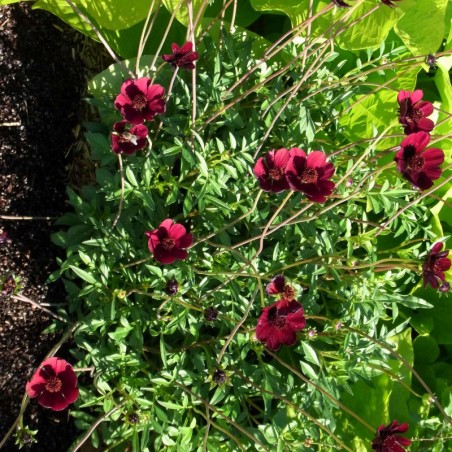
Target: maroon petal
416, 96
276, 285
425, 107
187, 47
142, 84
175, 48
53, 400
162, 255
280, 157
176, 231
316, 159
35, 387
185, 241
425, 124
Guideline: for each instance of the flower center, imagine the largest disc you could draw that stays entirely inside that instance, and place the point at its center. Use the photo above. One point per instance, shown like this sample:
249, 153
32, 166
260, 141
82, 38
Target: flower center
415, 115
309, 176
416, 162
168, 243
275, 174
127, 137
53, 384
288, 293
139, 102
276, 320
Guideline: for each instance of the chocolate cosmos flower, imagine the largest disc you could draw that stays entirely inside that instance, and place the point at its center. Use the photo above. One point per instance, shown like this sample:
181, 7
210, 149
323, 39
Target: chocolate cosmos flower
387, 440
182, 56
419, 165
167, 243
140, 101
54, 383
434, 267
128, 141
278, 286
270, 170
279, 322
414, 112
310, 174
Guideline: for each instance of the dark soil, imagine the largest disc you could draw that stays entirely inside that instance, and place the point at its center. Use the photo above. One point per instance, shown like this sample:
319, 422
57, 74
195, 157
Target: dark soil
40, 90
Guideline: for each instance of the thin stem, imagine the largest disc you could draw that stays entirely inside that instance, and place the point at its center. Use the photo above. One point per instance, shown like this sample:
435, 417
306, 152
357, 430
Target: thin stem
101, 38
433, 398
297, 407
121, 200
415, 201
144, 36
11, 217
20, 297
237, 327
221, 414
321, 390
93, 427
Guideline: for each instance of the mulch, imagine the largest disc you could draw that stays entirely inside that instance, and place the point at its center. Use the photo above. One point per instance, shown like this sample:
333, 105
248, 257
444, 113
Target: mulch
40, 102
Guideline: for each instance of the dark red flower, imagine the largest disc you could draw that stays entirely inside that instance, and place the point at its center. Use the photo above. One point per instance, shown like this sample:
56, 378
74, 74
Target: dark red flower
167, 243
54, 383
140, 101
387, 440
279, 322
8, 286
128, 141
419, 165
182, 56
278, 286
270, 170
434, 267
310, 174
414, 111
341, 4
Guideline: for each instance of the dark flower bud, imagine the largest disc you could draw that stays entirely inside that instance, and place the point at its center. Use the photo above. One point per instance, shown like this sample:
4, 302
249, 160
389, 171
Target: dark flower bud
210, 314
445, 287
431, 60
219, 376
172, 287
133, 418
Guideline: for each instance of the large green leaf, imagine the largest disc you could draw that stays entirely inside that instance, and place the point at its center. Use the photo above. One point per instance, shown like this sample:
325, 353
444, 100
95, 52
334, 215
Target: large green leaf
63, 10
373, 114
368, 32
422, 27
182, 13
371, 31
118, 14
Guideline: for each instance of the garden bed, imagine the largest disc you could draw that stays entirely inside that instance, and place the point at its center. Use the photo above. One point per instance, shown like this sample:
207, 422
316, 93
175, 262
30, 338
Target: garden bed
40, 99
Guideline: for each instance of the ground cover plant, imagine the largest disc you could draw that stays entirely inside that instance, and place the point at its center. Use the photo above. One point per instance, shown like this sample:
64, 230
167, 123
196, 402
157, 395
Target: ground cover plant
262, 262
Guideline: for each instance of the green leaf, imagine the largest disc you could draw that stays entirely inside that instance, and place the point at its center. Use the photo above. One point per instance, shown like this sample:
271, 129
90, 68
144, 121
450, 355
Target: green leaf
422, 27
118, 14
372, 112
83, 274
310, 353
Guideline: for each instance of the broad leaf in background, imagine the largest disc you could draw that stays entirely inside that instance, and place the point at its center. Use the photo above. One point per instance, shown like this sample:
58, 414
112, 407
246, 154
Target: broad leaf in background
422, 28
371, 116
368, 32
